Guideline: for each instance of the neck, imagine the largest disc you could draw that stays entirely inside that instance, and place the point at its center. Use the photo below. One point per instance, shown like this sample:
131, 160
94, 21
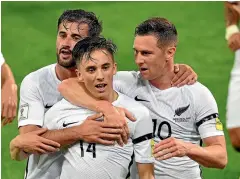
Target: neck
65, 73
112, 96
164, 81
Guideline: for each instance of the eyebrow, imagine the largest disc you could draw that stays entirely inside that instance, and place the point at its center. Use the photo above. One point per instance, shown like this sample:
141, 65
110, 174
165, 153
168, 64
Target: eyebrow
74, 35
106, 64
61, 32
88, 67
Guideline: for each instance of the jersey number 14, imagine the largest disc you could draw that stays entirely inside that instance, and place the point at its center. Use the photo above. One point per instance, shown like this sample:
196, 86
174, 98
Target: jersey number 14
91, 148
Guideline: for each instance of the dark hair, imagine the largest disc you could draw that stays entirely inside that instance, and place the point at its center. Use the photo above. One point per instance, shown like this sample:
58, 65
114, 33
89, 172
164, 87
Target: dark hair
161, 28
81, 16
90, 44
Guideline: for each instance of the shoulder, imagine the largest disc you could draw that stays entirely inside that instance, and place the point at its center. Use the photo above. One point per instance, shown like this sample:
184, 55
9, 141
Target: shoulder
39, 74
202, 97
133, 106
68, 108
127, 76
198, 90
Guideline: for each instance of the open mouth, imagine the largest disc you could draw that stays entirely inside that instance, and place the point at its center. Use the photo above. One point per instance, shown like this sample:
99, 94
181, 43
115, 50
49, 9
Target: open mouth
101, 87
143, 69
65, 53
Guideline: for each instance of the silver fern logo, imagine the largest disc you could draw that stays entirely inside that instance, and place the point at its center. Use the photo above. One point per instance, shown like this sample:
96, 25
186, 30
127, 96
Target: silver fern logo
181, 110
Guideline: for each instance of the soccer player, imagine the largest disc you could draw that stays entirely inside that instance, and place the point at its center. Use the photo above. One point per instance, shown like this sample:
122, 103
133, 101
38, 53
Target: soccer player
9, 93
232, 15
95, 68
182, 117
39, 93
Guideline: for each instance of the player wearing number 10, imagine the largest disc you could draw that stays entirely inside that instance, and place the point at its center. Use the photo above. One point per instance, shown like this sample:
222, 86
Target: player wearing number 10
95, 68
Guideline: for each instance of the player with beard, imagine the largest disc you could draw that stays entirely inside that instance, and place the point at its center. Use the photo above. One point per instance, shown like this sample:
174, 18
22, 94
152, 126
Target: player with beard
39, 93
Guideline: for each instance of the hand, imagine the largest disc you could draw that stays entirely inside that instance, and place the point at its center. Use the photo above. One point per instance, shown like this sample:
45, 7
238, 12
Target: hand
169, 148
116, 115
234, 41
102, 132
184, 74
107, 108
32, 142
9, 102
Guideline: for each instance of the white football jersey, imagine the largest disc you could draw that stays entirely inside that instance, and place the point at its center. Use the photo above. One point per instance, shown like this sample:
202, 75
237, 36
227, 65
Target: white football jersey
38, 93
188, 113
94, 161
1, 59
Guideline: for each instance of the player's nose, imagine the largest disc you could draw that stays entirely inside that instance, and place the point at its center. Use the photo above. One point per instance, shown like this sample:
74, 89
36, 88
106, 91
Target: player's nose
100, 75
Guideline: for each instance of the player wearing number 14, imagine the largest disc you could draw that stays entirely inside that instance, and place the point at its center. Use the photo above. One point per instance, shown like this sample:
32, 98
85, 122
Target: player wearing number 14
95, 68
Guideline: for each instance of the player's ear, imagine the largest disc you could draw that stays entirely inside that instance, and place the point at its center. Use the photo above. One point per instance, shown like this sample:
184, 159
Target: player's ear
170, 52
114, 68
79, 75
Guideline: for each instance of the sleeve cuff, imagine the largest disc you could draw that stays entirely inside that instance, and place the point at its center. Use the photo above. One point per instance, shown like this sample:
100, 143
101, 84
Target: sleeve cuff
144, 160
30, 122
212, 134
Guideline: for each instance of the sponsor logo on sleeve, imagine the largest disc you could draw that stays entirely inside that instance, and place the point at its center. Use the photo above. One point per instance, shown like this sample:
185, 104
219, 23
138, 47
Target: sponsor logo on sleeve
219, 125
152, 146
23, 110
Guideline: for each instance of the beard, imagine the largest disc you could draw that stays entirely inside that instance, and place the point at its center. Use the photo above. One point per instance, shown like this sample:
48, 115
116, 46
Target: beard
68, 63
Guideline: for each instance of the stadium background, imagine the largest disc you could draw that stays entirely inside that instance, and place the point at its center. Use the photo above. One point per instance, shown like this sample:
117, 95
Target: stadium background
28, 43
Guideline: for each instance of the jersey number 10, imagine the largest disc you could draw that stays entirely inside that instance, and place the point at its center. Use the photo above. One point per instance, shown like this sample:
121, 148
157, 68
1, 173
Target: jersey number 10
160, 128
91, 148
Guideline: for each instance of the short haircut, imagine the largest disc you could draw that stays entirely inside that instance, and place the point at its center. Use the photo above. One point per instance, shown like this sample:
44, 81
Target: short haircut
80, 16
85, 47
161, 28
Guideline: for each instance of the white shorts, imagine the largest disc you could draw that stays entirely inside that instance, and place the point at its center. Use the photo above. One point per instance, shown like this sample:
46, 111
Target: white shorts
233, 101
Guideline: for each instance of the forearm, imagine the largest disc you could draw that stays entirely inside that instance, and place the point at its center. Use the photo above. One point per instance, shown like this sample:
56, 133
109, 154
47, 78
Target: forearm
78, 95
64, 136
211, 156
146, 171
7, 75
234, 134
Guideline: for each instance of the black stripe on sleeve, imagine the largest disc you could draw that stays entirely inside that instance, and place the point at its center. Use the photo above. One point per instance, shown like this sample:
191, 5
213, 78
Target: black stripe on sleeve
142, 138
207, 118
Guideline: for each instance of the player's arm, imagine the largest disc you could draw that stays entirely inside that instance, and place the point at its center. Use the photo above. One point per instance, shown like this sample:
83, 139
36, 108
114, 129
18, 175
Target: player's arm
31, 142
31, 115
145, 171
77, 94
213, 154
8, 95
232, 14
143, 143
234, 134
